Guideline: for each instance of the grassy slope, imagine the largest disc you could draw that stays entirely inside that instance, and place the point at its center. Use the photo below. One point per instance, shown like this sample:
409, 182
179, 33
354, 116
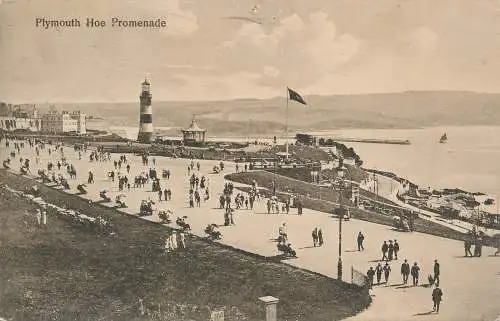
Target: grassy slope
310, 195
53, 263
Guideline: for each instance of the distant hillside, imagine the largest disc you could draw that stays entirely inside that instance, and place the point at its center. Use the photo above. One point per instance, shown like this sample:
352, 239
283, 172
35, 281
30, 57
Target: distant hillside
244, 116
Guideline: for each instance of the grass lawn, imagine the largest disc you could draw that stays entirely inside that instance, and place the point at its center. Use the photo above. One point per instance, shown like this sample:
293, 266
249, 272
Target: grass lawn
75, 274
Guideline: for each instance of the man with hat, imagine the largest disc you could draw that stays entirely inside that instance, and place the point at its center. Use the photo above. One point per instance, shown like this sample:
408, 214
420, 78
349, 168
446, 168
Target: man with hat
405, 271
391, 251
396, 249
415, 271
437, 272
437, 294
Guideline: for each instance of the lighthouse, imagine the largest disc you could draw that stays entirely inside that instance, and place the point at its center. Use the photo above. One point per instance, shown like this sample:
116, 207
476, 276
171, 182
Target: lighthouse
146, 115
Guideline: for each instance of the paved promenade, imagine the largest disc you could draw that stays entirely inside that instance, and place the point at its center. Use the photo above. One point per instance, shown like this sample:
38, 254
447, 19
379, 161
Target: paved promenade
471, 286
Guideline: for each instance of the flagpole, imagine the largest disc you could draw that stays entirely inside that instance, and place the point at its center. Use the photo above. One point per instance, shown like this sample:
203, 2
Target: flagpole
286, 123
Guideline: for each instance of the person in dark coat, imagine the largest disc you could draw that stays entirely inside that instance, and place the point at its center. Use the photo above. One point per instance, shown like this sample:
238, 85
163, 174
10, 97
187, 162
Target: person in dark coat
467, 247
437, 295
379, 270
387, 271
390, 251
415, 271
315, 236
405, 271
385, 248
370, 274
396, 249
437, 272
478, 246
361, 238
320, 237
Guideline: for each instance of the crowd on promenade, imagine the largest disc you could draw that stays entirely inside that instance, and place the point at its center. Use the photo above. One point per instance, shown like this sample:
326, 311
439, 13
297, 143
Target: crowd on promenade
230, 201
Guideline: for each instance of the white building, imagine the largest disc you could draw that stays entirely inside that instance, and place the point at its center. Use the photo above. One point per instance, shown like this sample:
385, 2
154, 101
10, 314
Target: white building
64, 122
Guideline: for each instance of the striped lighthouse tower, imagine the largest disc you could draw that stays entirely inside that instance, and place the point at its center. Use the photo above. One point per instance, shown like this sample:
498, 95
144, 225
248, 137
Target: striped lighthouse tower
146, 115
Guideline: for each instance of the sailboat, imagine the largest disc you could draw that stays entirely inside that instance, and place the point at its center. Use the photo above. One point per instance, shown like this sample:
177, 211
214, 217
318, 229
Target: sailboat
443, 139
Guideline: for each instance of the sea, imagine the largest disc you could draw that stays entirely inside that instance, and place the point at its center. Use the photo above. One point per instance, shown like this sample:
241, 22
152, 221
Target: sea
469, 160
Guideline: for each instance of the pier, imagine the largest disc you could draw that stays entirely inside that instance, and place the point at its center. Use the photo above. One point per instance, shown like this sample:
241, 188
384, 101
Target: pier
372, 140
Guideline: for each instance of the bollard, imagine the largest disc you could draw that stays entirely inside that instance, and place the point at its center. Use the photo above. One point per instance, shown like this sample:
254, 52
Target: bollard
271, 303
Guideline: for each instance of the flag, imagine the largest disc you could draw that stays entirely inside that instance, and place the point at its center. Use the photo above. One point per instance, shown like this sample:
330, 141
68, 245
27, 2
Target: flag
295, 96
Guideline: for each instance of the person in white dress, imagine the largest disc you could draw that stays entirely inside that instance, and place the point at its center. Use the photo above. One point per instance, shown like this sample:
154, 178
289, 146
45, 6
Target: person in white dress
182, 240
173, 240
38, 217
168, 244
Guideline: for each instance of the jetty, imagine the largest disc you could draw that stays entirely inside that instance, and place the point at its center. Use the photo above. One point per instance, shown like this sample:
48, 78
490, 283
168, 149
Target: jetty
326, 140
373, 140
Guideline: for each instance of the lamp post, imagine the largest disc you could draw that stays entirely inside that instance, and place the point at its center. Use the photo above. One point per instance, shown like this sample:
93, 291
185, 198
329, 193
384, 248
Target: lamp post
275, 165
340, 186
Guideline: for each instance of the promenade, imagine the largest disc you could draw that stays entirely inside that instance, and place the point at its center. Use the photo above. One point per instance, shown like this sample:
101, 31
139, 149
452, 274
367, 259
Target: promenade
471, 286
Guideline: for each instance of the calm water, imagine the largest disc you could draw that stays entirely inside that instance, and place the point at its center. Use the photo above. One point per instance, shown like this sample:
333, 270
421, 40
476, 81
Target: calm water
469, 160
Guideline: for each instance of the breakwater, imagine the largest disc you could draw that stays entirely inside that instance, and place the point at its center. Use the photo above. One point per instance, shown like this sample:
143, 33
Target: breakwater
373, 140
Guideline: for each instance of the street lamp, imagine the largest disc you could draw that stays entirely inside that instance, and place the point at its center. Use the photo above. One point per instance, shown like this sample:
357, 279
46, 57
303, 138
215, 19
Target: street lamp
275, 165
340, 186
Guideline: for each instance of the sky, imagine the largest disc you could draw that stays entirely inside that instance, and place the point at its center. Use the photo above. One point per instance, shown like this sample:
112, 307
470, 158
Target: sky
322, 47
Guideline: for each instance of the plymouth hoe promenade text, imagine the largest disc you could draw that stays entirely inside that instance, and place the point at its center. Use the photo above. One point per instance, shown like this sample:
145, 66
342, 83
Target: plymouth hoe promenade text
90, 22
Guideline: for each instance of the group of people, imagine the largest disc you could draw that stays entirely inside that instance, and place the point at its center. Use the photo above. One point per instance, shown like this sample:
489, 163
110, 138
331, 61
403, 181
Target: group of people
475, 238
317, 237
406, 271
198, 188
273, 206
175, 241
390, 251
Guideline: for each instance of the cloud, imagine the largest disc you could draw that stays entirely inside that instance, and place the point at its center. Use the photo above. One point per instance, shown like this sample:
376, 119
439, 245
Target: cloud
295, 52
271, 71
221, 87
425, 40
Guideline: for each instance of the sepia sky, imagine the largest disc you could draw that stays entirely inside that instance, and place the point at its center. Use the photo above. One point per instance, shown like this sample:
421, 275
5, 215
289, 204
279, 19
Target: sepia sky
315, 46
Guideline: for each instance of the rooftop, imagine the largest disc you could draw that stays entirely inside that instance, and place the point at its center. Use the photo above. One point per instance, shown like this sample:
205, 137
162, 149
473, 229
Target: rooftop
194, 127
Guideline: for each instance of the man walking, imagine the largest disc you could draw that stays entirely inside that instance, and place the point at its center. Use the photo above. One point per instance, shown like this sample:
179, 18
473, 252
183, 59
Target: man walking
415, 270
390, 251
315, 236
370, 274
396, 249
478, 246
436, 272
361, 238
437, 295
405, 271
320, 237
385, 248
467, 247
379, 270
387, 271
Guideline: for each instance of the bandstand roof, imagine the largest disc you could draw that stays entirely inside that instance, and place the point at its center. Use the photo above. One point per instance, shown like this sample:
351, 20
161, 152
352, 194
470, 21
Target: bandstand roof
194, 127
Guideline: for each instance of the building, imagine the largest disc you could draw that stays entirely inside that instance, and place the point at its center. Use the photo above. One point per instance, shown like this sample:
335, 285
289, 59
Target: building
56, 122
24, 116
193, 134
306, 139
145, 115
